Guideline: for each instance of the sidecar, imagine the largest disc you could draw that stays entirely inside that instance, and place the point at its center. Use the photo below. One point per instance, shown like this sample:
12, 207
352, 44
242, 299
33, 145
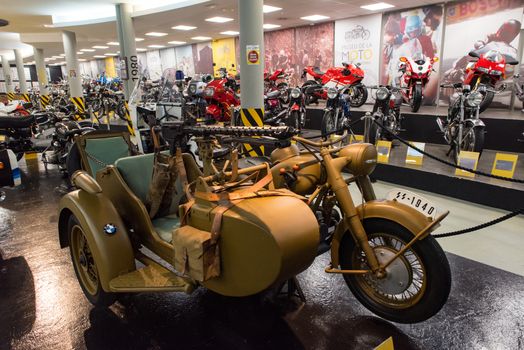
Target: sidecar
116, 247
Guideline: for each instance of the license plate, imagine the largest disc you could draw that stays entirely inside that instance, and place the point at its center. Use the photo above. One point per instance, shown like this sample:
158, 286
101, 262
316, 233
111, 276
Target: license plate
415, 201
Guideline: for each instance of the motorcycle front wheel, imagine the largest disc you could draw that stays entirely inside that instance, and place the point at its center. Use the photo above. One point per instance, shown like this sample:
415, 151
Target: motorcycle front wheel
329, 123
416, 98
417, 283
375, 133
293, 120
359, 96
473, 139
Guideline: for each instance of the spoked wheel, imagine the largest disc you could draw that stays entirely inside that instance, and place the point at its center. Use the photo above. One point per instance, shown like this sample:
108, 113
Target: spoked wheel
85, 266
329, 122
417, 283
473, 139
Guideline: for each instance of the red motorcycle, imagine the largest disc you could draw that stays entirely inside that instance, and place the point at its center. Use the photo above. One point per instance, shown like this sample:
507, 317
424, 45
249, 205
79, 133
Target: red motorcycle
416, 71
483, 74
221, 97
277, 81
350, 75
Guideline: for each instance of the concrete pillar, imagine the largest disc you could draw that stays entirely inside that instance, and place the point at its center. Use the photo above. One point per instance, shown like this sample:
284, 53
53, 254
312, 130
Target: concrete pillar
8, 79
128, 58
76, 93
42, 77
251, 43
126, 38
21, 74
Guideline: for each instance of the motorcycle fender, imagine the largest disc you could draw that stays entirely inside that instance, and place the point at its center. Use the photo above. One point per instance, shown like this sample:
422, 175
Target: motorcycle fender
390, 210
113, 253
475, 122
295, 107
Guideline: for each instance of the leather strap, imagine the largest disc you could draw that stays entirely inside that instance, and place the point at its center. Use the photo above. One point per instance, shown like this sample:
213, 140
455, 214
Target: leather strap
182, 174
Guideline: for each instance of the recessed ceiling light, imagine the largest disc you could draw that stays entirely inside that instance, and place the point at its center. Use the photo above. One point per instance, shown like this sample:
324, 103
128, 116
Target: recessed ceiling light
99, 56
113, 43
269, 9
141, 49
229, 32
156, 46
314, 18
62, 55
87, 50
201, 38
139, 39
110, 54
82, 59
183, 27
219, 19
100, 47
271, 26
377, 6
156, 34
79, 53
175, 42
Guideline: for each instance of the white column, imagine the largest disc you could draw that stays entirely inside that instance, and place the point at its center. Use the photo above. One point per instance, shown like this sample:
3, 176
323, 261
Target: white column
73, 73
7, 76
21, 73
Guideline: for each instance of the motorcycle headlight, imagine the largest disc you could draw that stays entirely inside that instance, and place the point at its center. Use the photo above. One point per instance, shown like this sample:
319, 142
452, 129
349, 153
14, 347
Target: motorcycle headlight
209, 91
295, 93
332, 93
382, 93
483, 70
192, 88
496, 72
474, 99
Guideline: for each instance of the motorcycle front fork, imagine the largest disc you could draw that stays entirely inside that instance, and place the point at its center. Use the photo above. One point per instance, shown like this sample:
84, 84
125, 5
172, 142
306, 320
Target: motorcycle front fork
340, 188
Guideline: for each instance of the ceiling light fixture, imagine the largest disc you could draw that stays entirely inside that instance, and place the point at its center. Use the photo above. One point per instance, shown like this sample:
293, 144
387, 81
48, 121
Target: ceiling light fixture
377, 6
140, 49
271, 26
183, 27
82, 59
99, 56
314, 18
219, 19
100, 47
113, 43
139, 39
157, 34
230, 32
156, 46
110, 54
80, 53
269, 8
87, 50
175, 42
201, 38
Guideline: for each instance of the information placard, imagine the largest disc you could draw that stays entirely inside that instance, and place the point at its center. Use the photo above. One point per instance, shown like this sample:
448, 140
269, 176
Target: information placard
383, 150
356, 138
414, 157
504, 164
468, 160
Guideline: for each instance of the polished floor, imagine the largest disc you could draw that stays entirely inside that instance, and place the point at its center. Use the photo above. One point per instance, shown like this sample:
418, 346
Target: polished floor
42, 306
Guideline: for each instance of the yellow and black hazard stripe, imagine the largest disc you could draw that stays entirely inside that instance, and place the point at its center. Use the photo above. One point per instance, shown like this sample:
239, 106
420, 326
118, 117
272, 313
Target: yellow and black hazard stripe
45, 100
11, 96
25, 97
127, 117
80, 107
253, 117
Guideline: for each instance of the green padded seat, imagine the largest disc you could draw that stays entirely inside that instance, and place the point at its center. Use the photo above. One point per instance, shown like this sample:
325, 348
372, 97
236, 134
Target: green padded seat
107, 150
165, 226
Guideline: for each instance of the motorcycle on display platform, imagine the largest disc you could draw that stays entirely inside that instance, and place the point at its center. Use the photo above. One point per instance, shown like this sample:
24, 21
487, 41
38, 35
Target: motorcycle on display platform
386, 111
463, 129
416, 72
296, 109
194, 105
487, 71
221, 98
337, 110
15, 109
349, 75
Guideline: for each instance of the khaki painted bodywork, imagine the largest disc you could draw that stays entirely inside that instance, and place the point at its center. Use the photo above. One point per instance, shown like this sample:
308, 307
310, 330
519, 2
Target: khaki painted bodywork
308, 177
391, 210
113, 254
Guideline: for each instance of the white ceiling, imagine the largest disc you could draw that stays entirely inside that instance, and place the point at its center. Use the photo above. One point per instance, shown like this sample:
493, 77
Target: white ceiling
33, 18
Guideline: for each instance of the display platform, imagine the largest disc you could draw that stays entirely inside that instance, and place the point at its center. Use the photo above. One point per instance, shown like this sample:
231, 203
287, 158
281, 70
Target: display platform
43, 305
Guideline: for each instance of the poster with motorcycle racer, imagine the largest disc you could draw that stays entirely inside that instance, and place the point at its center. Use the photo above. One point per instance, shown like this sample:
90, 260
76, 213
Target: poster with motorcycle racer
496, 27
413, 33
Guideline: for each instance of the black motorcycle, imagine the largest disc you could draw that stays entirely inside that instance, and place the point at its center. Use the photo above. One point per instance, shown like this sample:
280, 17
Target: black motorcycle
337, 111
463, 129
386, 112
296, 109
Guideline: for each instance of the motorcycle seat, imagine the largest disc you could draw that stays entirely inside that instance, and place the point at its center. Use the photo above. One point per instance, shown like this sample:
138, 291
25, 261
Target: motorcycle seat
16, 122
317, 70
273, 94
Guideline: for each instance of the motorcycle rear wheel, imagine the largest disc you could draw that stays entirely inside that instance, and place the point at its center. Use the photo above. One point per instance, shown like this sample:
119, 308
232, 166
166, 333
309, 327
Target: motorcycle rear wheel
488, 98
417, 284
359, 96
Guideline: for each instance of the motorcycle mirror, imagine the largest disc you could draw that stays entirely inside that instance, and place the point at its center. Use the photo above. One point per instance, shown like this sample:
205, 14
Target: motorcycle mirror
512, 62
474, 54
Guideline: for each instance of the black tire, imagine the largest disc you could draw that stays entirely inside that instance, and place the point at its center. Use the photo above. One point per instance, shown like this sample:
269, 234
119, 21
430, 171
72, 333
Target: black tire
375, 132
359, 96
432, 295
293, 120
309, 98
284, 94
329, 122
416, 99
488, 98
98, 297
477, 134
